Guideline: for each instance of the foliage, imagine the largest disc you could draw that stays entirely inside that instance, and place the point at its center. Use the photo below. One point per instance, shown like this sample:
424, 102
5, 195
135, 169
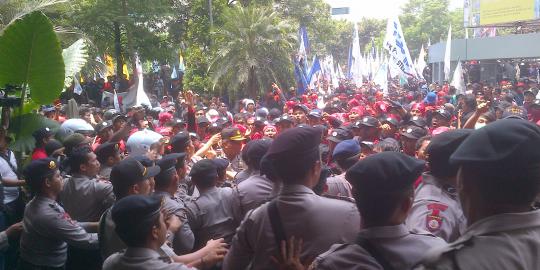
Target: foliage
23, 126
75, 57
429, 19
14, 9
30, 56
255, 50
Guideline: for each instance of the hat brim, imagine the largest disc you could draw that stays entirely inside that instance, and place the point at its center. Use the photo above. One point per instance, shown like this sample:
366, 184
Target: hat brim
237, 138
152, 171
334, 139
408, 135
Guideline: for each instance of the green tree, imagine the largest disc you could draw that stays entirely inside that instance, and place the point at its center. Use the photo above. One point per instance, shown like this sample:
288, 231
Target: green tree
255, 51
429, 19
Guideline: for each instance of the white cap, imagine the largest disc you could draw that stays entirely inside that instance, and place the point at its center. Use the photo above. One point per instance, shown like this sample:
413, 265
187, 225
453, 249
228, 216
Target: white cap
139, 142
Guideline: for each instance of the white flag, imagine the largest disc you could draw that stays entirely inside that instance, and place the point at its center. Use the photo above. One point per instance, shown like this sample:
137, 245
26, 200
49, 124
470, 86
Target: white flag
457, 80
447, 53
421, 62
355, 70
77, 89
381, 78
394, 43
141, 98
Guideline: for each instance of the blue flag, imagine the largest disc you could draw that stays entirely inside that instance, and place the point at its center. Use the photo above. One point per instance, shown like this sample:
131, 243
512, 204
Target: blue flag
315, 67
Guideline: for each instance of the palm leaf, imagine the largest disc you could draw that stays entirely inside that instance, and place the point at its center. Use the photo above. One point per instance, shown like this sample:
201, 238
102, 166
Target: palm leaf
30, 55
75, 57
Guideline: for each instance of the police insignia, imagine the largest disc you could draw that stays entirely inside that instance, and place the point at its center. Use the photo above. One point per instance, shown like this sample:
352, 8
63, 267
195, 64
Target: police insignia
434, 221
52, 165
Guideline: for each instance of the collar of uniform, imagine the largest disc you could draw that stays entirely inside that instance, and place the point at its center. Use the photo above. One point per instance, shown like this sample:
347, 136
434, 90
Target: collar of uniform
503, 222
385, 232
288, 189
163, 193
45, 199
427, 178
77, 176
136, 252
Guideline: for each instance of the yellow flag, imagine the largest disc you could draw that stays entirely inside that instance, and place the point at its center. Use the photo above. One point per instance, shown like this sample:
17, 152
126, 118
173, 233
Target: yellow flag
110, 65
125, 71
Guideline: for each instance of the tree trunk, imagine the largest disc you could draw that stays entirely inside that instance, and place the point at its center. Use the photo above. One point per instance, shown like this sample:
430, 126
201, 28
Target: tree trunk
118, 50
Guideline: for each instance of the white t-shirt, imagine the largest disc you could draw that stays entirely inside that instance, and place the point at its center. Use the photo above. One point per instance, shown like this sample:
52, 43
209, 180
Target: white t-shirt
10, 193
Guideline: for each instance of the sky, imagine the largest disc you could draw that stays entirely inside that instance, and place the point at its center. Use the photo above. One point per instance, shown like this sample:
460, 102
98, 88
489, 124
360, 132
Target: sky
380, 9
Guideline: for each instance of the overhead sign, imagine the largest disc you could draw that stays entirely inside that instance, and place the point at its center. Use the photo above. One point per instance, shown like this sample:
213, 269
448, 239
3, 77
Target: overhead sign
492, 12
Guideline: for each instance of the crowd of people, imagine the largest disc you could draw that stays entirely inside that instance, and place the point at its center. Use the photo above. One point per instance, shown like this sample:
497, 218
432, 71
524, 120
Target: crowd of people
421, 177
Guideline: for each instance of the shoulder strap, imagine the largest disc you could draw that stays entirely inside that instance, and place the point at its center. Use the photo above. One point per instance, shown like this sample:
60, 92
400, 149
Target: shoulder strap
275, 221
370, 248
7, 158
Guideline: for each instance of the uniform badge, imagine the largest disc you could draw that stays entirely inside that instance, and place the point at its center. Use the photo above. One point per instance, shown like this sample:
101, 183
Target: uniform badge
434, 220
52, 165
433, 223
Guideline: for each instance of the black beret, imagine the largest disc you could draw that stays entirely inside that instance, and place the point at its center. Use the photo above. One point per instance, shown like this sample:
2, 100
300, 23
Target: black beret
134, 211
506, 143
106, 150
385, 172
130, 172
221, 163
180, 142
38, 169
443, 145
205, 168
257, 149
52, 146
169, 161
295, 143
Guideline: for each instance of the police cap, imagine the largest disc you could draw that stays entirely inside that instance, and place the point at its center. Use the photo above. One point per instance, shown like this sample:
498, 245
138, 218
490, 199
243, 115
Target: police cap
385, 172
506, 143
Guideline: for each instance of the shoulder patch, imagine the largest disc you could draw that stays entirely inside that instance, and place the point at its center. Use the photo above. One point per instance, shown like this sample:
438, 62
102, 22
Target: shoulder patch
434, 220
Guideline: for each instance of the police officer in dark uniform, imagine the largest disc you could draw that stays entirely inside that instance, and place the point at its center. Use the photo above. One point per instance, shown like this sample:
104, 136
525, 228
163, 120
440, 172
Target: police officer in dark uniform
48, 229
108, 155
436, 207
498, 181
166, 186
140, 223
384, 190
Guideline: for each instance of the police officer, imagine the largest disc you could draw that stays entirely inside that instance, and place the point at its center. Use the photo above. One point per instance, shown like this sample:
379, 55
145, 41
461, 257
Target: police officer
345, 155
84, 197
140, 224
47, 227
297, 211
384, 191
232, 141
108, 155
166, 186
212, 214
436, 207
498, 180
127, 177
256, 189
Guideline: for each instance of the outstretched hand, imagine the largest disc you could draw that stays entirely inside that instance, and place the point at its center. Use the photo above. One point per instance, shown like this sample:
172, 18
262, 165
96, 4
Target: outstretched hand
290, 255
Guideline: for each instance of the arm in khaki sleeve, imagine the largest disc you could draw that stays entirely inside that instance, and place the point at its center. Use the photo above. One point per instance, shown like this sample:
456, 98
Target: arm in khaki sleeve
241, 251
72, 233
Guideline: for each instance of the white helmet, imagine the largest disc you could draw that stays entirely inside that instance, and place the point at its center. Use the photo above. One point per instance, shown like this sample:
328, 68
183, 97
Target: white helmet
139, 142
75, 125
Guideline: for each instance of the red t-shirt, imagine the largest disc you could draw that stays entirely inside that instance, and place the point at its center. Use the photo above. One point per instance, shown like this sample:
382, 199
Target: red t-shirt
39, 153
